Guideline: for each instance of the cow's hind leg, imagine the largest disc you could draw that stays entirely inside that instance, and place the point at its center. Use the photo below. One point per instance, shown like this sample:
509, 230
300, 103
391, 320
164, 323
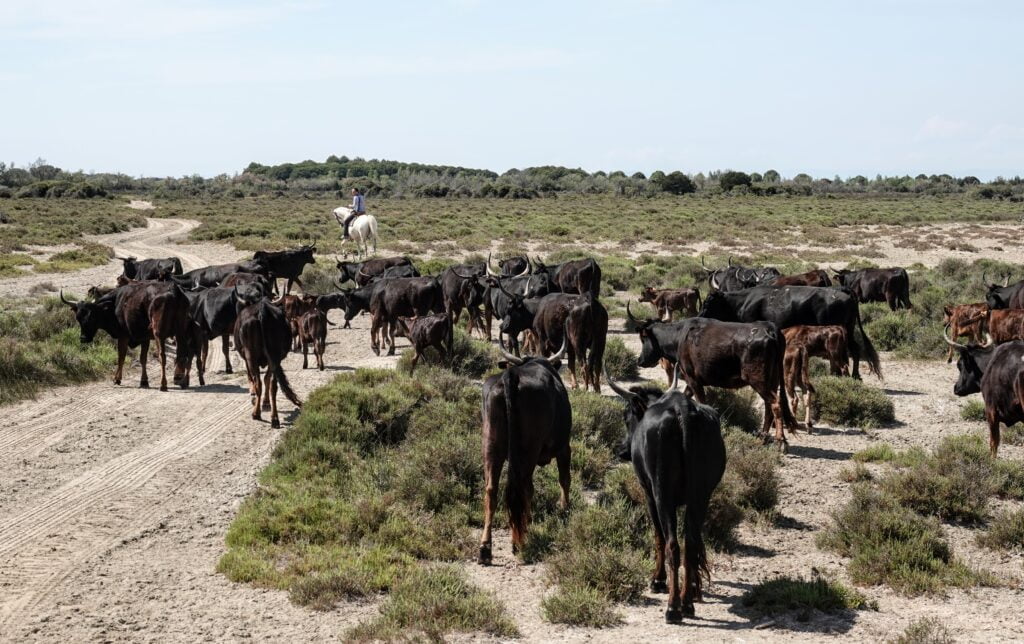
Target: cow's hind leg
492, 476
226, 347
275, 422
257, 391
161, 347
267, 379
674, 614
122, 351
143, 359
658, 584
564, 478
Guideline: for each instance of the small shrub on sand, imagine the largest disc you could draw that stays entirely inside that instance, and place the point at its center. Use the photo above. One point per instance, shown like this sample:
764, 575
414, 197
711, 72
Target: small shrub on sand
849, 402
1005, 532
471, 358
925, 631
580, 606
973, 410
785, 594
855, 474
435, 601
620, 360
737, 408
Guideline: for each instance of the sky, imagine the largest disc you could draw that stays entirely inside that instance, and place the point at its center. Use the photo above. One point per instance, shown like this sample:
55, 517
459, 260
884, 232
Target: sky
205, 87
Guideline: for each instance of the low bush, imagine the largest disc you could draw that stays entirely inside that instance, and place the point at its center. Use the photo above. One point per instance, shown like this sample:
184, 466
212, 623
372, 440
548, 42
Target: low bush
580, 606
1005, 532
620, 361
884, 453
973, 410
892, 545
435, 601
893, 329
737, 408
87, 254
925, 631
855, 474
784, 594
849, 402
12, 264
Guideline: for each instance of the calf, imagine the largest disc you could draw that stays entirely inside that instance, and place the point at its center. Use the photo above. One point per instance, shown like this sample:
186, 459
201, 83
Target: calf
998, 373
685, 300
678, 455
527, 421
362, 273
294, 308
313, 332
1004, 325
408, 296
803, 343
287, 264
816, 277
262, 338
428, 331
889, 285
964, 319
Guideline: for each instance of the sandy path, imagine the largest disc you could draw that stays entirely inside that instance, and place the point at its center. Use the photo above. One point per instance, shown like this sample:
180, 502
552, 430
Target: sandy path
114, 503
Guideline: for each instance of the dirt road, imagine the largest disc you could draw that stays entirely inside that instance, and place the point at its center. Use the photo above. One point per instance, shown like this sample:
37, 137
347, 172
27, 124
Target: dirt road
114, 503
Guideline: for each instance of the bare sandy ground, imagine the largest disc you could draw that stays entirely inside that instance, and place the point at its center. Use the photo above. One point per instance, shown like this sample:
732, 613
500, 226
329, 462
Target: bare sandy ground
114, 503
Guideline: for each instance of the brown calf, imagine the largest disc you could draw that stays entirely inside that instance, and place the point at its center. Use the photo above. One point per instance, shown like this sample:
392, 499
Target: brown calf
294, 308
816, 277
964, 319
803, 343
1005, 325
313, 332
685, 300
426, 331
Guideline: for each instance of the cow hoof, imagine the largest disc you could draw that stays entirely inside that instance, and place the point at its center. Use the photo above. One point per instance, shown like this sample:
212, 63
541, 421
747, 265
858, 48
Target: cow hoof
163, 387
376, 351
321, 367
485, 557
228, 370
266, 406
658, 586
142, 385
688, 610
391, 352
784, 446
202, 382
275, 423
256, 416
673, 616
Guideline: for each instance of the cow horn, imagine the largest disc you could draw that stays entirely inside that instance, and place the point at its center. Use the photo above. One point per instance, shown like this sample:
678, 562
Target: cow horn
526, 271
714, 280
945, 336
278, 301
989, 340
1006, 280
730, 261
71, 304
529, 264
565, 346
490, 271
362, 272
629, 314
124, 259
514, 359
622, 393
465, 277
705, 266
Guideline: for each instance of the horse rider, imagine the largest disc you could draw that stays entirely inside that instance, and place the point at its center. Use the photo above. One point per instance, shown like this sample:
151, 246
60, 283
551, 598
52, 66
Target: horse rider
358, 208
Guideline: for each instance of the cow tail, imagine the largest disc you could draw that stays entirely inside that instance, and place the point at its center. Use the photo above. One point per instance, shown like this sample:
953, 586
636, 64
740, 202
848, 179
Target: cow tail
705, 467
282, 381
450, 331
869, 349
599, 326
700, 302
516, 493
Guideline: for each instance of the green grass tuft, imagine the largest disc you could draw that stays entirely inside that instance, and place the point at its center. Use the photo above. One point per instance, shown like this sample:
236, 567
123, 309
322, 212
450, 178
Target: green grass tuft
925, 631
1005, 532
580, 606
849, 402
785, 594
620, 361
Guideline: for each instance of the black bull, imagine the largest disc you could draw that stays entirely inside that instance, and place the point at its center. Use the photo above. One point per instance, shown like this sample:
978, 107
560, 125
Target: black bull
998, 373
578, 276
362, 273
796, 305
678, 454
889, 285
150, 269
287, 264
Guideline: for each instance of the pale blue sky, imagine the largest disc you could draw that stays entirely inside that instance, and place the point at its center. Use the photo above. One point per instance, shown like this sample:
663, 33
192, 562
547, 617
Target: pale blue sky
173, 88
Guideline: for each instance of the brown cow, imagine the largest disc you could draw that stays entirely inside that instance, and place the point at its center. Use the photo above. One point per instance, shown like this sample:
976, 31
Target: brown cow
816, 277
685, 300
261, 337
426, 331
964, 319
313, 332
294, 307
803, 343
1004, 325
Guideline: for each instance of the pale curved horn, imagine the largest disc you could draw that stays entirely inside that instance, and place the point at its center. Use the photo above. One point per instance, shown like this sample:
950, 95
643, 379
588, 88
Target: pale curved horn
622, 393
465, 277
629, 314
945, 336
526, 271
278, 301
989, 340
65, 301
490, 271
561, 352
675, 377
516, 360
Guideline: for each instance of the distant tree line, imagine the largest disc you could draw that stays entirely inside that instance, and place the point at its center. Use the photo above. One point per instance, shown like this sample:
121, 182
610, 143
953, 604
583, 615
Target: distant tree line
337, 175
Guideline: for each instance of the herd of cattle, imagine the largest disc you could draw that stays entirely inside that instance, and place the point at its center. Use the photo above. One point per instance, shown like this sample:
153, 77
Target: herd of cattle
755, 327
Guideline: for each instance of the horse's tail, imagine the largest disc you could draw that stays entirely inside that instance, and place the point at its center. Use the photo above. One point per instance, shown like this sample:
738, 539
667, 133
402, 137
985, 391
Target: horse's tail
371, 223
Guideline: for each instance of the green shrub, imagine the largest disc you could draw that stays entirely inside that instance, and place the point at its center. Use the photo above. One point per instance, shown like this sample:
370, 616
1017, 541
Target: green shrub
580, 606
849, 402
892, 545
973, 410
892, 329
435, 601
855, 474
737, 408
785, 594
1005, 532
620, 361
925, 631
87, 254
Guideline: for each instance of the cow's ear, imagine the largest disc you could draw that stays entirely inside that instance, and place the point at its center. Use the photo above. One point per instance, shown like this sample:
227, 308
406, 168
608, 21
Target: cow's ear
947, 310
557, 364
638, 406
503, 364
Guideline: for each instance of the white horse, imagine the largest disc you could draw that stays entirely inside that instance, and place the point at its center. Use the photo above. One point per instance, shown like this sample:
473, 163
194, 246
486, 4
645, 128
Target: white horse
361, 230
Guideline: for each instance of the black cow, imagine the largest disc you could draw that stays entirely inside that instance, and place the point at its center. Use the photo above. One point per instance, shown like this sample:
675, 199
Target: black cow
578, 276
514, 265
287, 264
406, 296
313, 333
263, 339
497, 299
363, 272
211, 276
817, 277
214, 312
796, 305
678, 454
998, 373
527, 421
463, 287
889, 285
427, 331
257, 279
1008, 296
358, 300
662, 340
134, 314
336, 300
736, 277
150, 269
